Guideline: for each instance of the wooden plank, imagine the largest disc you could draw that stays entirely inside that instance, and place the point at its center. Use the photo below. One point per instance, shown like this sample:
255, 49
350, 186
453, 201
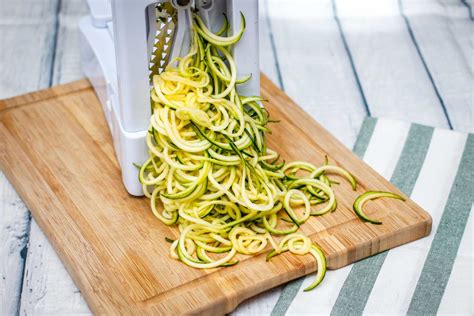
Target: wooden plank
449, 68
67, 65
14, 218
461, 26
47, 287
27, 38
314, 65
469, 4
118, 261
391, 73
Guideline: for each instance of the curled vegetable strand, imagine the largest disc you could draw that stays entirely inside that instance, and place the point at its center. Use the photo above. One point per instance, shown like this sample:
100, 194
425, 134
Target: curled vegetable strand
210, 172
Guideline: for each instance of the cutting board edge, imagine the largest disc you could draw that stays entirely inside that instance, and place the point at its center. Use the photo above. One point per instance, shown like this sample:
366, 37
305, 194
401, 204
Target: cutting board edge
424, 227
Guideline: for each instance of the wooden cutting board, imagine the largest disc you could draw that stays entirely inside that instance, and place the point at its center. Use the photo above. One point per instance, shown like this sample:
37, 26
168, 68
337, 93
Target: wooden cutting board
56, 150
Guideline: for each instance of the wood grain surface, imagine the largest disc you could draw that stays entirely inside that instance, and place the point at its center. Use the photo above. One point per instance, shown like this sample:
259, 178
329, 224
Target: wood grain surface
64, 168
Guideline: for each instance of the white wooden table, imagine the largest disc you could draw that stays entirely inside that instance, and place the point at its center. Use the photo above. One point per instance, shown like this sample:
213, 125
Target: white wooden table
341, 60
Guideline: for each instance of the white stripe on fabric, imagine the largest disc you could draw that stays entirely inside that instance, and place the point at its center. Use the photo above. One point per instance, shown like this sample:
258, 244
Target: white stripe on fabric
455, 299
386, 145
382, 154
261, 304
323, 297
398, 277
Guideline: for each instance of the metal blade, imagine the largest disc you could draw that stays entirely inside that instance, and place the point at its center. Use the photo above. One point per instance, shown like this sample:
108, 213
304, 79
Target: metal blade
166, 22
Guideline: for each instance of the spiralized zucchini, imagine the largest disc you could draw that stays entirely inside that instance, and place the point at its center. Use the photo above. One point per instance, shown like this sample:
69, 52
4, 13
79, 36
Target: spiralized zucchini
210, 171
368, 196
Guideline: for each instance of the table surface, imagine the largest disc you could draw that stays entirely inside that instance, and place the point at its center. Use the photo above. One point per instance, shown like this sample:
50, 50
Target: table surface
338, 59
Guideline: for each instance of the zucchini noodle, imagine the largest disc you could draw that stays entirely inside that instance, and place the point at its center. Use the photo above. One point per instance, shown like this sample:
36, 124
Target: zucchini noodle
209, 170
368, 196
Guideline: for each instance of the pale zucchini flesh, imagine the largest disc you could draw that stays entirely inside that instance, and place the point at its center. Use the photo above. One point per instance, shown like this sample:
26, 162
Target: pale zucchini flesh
211, 173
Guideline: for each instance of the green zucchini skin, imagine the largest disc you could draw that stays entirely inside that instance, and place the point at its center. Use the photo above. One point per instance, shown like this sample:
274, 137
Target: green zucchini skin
368, 196
322, 266
211, 174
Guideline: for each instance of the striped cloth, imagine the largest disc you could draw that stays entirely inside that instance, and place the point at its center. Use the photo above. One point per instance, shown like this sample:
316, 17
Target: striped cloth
432, 275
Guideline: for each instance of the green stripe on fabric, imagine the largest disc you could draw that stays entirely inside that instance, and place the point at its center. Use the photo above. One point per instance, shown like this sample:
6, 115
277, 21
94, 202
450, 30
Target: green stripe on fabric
359, 283
287, 296
412, 158
365, 134
291, 289
440, 260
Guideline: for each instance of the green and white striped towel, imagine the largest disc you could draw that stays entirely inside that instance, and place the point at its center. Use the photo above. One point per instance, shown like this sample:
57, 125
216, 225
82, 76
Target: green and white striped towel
432, 275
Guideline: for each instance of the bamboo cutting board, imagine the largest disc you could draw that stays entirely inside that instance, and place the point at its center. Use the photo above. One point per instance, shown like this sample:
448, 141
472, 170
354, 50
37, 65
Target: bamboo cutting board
56, 150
